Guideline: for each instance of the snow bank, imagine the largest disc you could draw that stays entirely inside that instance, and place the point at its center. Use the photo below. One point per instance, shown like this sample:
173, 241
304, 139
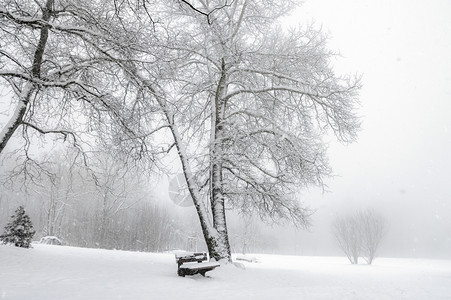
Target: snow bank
60, 272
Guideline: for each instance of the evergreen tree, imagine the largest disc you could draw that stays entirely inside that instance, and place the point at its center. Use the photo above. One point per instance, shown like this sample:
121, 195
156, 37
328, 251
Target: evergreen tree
19, 231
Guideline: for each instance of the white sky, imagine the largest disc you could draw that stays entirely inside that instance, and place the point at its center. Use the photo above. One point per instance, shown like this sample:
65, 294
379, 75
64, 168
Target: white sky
401, 163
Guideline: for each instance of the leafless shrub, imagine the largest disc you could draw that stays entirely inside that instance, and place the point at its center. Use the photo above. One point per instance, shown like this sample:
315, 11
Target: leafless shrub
359, 234
372, 229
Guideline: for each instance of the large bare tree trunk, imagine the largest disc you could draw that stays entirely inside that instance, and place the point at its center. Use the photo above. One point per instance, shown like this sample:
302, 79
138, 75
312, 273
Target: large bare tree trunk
215, 234
217, 198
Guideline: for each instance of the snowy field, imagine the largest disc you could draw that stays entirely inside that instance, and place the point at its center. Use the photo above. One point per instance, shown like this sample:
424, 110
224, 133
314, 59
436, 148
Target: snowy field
58, 272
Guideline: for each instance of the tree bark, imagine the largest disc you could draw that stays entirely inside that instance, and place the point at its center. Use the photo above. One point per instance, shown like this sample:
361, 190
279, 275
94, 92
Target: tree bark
217, 242
215, 234
25, 96
16, 119
216, 178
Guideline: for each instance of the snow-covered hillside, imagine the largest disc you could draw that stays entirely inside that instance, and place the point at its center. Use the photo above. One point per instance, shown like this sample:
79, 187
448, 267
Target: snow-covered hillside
59, 272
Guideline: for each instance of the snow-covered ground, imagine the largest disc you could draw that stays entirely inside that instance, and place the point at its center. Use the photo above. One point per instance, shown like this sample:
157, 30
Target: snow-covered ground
59, 272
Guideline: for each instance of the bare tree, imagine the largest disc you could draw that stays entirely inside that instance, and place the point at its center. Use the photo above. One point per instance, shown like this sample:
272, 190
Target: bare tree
372, 227
57, 193
360, 234
347, 233
245, 234
247, 103
56, 60
117, 189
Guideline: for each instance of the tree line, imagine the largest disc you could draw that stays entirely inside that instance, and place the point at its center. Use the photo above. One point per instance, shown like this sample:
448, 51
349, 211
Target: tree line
116, 210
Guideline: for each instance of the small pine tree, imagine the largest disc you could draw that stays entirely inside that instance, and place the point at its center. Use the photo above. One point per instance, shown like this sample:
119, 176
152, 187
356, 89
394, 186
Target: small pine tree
19, 231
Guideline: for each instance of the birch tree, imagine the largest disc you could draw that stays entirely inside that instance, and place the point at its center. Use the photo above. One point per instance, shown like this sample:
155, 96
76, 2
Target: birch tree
247, 104
57, 193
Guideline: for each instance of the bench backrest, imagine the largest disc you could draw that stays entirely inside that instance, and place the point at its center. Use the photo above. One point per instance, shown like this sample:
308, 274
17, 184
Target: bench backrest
191, 257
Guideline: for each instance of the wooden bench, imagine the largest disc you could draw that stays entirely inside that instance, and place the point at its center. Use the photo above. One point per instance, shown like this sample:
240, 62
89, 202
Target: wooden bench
194, 263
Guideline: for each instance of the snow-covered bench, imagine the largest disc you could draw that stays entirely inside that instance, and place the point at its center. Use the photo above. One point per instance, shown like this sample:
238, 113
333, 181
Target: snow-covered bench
194, 263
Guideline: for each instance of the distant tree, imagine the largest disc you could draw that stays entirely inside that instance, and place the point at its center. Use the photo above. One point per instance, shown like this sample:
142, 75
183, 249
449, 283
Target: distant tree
245, 234
372, 230
19, 231
359, 234
346, 232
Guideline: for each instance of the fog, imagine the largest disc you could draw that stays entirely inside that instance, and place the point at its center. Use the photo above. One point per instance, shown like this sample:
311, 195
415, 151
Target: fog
400, 165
